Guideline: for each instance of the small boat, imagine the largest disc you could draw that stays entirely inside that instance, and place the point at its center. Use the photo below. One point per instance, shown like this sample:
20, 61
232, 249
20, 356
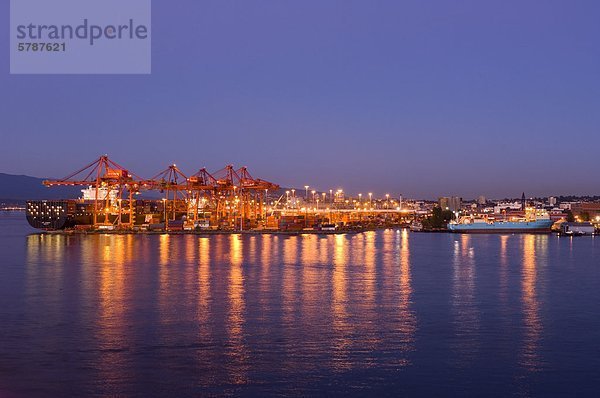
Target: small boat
416, 226
328, 227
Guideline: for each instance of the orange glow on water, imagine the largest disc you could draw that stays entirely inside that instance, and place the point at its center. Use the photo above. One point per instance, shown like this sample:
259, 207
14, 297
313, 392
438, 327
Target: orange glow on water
531, 313
464, 306
237, 351
340, 326
408, 319
164, 249
204, 291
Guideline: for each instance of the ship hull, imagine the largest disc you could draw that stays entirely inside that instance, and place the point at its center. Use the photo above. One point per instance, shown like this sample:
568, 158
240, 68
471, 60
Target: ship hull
49, 214
503, 231
539, 227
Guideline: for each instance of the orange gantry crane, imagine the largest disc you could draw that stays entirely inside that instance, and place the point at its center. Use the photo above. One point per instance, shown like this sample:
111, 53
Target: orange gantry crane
202, 188
104, 176
173, 183
254, 191
229, 194
226, 196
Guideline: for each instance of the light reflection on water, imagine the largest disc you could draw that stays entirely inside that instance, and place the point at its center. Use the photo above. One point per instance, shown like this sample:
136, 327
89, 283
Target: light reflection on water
237, 351
533, 328
408, 323
262, 314
466, 312
340, 325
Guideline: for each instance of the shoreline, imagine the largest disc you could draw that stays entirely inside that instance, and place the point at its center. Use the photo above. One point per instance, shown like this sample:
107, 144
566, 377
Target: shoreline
249, 232
275, 232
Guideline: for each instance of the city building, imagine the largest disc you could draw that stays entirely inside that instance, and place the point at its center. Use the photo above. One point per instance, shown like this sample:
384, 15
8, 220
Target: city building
507, 206
566, 205
451, 203
339, 196
586, 211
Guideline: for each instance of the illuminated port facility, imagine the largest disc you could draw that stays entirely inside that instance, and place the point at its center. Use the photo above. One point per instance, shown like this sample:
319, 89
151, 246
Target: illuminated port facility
115, 199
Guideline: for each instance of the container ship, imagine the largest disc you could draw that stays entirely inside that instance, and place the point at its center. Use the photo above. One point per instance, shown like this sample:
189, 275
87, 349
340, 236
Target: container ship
534, 221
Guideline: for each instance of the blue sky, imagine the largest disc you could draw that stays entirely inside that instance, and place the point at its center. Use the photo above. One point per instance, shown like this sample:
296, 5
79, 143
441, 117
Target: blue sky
420, 98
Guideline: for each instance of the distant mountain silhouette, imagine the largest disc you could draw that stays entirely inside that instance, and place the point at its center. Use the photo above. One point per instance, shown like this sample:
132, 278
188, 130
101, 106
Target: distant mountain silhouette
21, 187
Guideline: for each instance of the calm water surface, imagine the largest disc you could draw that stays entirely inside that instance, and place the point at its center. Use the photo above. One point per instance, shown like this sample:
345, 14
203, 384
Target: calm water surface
378, 313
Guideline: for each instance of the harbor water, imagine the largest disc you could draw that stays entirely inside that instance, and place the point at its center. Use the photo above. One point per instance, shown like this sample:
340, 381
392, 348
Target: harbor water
380, 313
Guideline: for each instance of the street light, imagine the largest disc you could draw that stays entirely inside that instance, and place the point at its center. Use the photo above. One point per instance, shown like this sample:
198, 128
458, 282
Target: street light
387, 200
370, 199
164, 200
313, 194
360, 198
265, 204
306, 193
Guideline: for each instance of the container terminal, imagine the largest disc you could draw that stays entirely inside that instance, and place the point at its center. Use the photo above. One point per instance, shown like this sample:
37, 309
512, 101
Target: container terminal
223, 201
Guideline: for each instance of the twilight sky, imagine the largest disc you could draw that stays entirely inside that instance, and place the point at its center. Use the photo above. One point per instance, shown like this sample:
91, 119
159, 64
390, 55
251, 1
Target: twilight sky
423, 98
